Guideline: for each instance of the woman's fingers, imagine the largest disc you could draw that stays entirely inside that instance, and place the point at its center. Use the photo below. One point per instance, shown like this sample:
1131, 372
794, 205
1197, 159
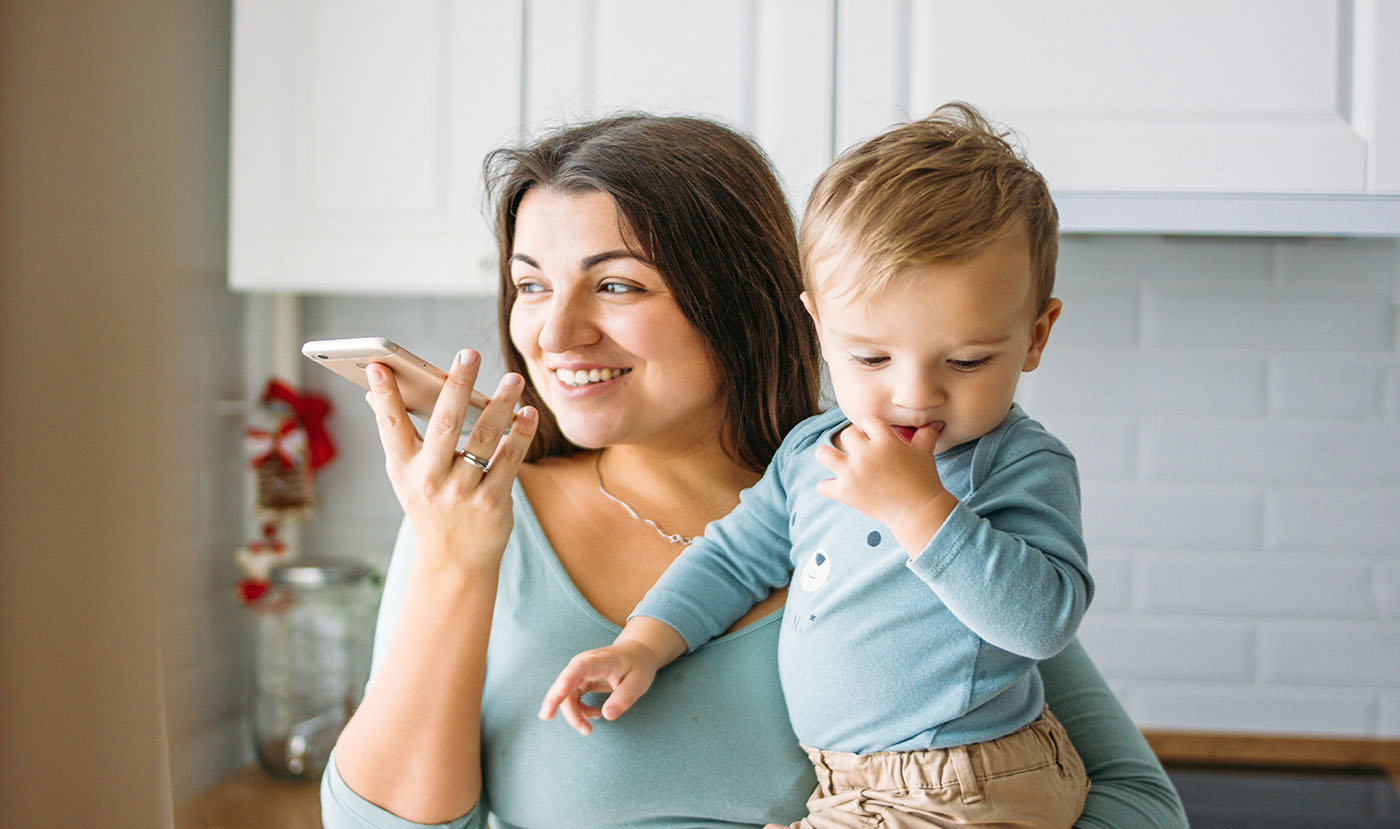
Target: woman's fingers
505, 463
491, 425
396, 433
450, 410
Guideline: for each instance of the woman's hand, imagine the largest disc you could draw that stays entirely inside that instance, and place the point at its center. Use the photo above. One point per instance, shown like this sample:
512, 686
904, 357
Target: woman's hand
456, 508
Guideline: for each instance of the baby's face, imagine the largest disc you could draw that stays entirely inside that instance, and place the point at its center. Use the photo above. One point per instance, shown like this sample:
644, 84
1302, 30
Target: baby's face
944, 344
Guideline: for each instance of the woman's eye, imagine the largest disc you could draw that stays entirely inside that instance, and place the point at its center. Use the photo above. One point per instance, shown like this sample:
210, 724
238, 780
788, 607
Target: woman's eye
870, 362
969, 365
618, 288
528, 287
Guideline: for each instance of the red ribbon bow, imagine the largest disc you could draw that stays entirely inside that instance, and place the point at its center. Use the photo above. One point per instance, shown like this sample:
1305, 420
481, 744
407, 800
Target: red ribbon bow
287, 443
311, 411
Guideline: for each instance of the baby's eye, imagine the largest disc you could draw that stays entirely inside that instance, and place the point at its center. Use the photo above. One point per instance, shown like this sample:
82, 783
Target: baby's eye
969, 365
870, 362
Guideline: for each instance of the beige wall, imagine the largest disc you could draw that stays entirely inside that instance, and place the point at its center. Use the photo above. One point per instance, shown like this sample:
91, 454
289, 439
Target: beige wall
106, 159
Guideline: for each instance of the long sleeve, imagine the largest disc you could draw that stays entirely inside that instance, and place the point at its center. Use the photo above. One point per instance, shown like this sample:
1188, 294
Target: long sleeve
1010, 560
1128, 786
738, 561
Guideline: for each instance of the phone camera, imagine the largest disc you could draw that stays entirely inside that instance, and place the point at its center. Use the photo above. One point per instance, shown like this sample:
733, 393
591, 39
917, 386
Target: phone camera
322, 356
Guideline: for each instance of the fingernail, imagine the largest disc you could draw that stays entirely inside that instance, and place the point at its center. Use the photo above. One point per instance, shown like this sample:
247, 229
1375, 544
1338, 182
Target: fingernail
376, 374
464, 357
512, 379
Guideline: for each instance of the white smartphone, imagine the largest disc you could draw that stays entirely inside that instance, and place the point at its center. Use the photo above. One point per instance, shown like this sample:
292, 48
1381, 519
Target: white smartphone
420, 381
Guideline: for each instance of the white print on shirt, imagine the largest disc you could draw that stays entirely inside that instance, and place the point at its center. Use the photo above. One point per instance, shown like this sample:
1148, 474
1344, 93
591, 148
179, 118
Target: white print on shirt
815, 573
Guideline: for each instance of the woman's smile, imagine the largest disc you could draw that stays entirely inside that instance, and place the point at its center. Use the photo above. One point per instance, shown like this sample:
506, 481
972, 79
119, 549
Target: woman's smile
579, 378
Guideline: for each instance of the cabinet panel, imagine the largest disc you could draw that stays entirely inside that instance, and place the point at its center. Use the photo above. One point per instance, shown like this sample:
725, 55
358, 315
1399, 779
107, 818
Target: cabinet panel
763, 67
1192, 95
587, 59
872, 79
361, 108
793, 118
358, 133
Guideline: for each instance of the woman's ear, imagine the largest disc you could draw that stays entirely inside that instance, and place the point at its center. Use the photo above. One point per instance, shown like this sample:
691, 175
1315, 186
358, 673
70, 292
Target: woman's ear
1040, 332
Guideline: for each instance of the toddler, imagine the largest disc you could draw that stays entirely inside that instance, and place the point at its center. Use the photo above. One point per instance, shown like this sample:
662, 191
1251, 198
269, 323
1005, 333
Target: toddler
929, 529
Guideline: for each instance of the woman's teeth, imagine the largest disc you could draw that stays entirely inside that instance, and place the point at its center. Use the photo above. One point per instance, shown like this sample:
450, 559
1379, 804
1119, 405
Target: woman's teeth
584, 377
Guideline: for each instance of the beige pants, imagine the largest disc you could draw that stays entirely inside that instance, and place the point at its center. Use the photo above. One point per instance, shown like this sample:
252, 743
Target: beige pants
1031, 777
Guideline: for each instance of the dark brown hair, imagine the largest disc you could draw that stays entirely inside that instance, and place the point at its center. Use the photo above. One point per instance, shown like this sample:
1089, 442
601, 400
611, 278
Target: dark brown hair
929, 191
705, 208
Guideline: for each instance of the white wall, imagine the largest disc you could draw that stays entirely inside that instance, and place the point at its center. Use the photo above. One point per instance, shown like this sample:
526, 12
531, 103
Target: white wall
1235, 407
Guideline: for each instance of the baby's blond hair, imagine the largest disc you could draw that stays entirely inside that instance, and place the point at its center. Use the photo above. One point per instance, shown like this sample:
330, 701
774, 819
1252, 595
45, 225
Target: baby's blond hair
925, 192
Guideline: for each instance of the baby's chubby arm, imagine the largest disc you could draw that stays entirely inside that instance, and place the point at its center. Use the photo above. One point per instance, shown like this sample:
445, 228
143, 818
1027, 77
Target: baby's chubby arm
625, 669
1009, 563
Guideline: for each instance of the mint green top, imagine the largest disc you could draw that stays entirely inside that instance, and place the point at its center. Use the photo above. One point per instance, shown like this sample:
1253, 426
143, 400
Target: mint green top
710, 744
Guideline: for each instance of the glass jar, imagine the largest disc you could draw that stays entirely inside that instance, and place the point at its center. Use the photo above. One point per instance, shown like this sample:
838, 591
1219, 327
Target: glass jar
312, 632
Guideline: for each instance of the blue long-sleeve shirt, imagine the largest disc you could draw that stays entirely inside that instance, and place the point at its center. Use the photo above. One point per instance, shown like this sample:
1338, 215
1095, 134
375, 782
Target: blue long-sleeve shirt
881, 652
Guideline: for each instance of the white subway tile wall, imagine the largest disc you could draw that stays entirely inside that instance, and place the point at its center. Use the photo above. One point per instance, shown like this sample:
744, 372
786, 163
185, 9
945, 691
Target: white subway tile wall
1235, 406
1243, 483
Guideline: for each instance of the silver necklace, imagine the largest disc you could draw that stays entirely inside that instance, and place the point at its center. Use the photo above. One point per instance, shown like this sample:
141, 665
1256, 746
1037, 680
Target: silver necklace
674, 538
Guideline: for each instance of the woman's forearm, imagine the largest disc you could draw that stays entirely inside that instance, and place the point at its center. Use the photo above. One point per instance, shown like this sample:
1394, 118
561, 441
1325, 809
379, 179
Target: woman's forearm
413, 746
1128, 786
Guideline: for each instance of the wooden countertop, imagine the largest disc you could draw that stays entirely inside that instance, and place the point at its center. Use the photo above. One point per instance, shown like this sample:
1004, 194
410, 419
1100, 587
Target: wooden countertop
253, 799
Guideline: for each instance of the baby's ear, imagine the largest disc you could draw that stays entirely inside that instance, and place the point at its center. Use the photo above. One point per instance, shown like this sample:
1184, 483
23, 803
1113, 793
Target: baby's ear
1040, 332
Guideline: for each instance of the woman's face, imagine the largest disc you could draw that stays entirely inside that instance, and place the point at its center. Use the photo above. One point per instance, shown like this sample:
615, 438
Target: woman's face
604, 342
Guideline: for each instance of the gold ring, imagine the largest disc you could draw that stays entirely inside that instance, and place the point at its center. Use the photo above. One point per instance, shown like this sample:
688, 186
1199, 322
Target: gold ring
478, 462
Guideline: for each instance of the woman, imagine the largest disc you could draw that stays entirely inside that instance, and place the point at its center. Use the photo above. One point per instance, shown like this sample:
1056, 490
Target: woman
649, 293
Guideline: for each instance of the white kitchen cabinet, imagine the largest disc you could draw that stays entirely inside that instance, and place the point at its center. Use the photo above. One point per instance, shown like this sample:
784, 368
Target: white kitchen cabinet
358, 131
1245, 96
359, 127
763, 66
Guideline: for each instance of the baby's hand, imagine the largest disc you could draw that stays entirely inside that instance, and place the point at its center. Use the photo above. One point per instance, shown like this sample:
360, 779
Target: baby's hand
893, 482
626, 669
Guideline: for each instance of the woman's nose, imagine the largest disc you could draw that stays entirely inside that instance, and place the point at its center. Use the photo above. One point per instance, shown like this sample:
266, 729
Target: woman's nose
568, 324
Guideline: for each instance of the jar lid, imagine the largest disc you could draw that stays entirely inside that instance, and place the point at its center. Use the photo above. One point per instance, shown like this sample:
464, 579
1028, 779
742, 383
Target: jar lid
318, 572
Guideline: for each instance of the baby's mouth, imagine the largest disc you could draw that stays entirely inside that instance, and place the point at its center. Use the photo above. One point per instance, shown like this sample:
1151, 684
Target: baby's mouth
587, 377
906, 433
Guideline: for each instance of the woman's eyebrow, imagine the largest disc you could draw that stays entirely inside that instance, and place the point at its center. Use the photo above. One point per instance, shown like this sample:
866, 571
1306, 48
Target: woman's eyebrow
588, 261
606, 256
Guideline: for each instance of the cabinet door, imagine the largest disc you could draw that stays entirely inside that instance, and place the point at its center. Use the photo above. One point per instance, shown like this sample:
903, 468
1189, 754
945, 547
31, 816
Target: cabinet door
1251, 96
358, 130
763, 67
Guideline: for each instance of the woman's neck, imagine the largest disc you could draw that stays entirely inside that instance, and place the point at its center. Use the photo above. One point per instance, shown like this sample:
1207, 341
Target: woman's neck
702, 480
